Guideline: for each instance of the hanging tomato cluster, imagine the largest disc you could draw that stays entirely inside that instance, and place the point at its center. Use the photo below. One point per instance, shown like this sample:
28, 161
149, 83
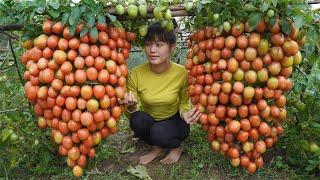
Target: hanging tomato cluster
74, 83
237, 79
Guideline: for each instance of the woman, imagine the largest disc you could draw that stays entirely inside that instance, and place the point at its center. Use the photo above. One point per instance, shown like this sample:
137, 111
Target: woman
164, 118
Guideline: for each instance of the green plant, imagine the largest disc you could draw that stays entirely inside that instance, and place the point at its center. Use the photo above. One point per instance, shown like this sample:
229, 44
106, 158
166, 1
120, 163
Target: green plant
304, 108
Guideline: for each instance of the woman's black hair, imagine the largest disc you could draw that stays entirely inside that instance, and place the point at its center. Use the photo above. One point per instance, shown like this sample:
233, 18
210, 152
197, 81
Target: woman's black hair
156, 32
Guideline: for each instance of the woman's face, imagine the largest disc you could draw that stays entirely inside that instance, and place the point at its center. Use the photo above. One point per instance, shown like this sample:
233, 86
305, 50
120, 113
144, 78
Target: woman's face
158, 52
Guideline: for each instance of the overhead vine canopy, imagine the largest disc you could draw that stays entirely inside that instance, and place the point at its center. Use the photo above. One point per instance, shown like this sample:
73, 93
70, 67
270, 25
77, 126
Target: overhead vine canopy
28, 15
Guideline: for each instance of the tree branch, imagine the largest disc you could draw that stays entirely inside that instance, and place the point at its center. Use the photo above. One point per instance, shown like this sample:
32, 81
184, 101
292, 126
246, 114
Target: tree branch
301, 71
11, 35
11, 110
4, 49
15, 60
11, 27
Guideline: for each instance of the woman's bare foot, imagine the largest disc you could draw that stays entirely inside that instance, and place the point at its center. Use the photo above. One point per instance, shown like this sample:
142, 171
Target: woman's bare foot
173, 156
155, 152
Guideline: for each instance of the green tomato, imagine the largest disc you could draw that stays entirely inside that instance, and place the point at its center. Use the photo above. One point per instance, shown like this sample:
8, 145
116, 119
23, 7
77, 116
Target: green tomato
131, 2
143, 30
132, 11
305, 145
188, 6
215, 17
270, 13
13, 137
168, 14
226, 26
142, 10
314, 147
157, 13
164, 23
297, 58
300, 106
10, 131
119, 9
170, 26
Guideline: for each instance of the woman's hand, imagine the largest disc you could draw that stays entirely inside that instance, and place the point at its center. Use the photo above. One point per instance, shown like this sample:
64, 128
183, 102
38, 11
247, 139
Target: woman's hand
130, 101
192, 116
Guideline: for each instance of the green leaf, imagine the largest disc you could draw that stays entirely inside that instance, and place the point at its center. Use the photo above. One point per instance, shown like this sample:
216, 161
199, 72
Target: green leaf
101, 19
274, 2
71, 20
200, 165
254, 18
210, 16
65, 17
54, 5
84, 31
272, 21
75, 13
313, 57
3, 20
299, 21
309, 18
265, 6
90, 19
6, 134
249, 7
72, 29
285, 26
302, 6
139, 171
118, 24
94, 32
315, 125
82, 9
127, 148
112, 18
49, 11
53, 13
40, 10
312, 164
162, 7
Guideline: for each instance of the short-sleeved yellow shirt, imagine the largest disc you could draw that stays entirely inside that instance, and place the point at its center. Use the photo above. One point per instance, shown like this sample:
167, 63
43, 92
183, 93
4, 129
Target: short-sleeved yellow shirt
160, 95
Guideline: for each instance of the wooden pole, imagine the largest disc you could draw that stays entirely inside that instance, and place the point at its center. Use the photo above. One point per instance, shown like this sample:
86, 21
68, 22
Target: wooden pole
11, 27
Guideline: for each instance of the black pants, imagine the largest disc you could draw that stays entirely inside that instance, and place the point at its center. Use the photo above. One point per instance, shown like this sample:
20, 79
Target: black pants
166, 133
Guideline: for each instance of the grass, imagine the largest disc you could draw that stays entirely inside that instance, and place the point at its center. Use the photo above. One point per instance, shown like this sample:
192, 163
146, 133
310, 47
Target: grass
120, 151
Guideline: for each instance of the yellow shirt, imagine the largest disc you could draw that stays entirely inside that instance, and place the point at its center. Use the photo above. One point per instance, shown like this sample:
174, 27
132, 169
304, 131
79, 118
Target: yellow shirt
160, 95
